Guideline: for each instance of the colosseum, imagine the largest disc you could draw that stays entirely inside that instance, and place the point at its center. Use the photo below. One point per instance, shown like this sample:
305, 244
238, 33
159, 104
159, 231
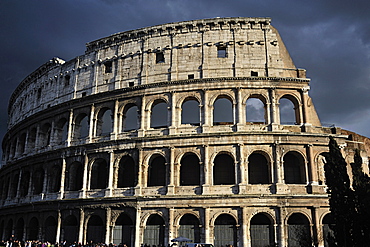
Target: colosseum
201, 129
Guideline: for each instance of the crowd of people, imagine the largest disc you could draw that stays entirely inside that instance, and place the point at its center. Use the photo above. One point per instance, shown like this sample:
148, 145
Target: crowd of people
36, 243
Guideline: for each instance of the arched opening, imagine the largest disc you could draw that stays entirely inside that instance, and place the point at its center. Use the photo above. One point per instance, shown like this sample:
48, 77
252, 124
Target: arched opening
189, 228
38, 181
70, 229
19, 229
14, 186
50, 229
223, 170
258, 169
95, 230
190, 170
61, 131
289, 114
45, 135
123, 231
190, 112
22, 143
223, 111
154, 231
225, 231
328, 233
157, 171
131, 119
81, 126
262, 231
255, 111
54, 179
32, 138
299, 231
104, 123
74, 177
127, 173
99, 175
33, 229
8, 229
159, 115
25, 182
294, 168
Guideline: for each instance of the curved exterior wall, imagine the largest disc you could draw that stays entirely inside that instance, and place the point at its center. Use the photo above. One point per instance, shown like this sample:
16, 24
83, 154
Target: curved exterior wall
151, 135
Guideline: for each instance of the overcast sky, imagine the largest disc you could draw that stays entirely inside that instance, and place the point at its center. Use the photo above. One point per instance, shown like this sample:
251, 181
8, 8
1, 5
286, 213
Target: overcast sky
328, 38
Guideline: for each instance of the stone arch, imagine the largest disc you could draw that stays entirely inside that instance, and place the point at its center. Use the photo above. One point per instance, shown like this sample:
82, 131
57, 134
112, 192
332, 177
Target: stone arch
99, 174
50, 229
81, 126
225, 230
223, 110
14, 185
124, 230
262, 230
190, 170
299, 230
159, 114
104, 121
224, 169
95, 229
45, 135
157, 173
61, 131
33, 229
19, 229
256, 109
54, 178
25, 180
154, 232
259, 168
327, 222
130, 116
74, 176
22, 143
38, 180
127, 172
190, 111
70, 229
189, 227
294, 168
289, 109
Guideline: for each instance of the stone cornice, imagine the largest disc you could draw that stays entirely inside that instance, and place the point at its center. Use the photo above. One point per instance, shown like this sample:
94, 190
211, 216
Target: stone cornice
180, 27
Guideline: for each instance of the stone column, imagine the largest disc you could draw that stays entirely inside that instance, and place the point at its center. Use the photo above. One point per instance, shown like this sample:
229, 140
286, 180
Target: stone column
245, 232
85, 185
59, 227
143, 118
274, 110
171, 225
304, 96
140, 174
92, 123
108, 213
139, 230
115, 121
173, 114
171, 184
81, 226
316, 229
207, 226
207, 121
206, 166
70, 128
111, 174
17, 195
243, 170
312, 165
282, 234
62, 178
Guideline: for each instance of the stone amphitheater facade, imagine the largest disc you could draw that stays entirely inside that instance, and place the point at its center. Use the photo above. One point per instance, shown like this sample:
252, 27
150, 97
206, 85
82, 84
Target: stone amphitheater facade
167, 131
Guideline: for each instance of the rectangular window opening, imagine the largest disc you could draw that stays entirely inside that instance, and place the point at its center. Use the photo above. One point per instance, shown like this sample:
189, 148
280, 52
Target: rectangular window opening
191, 76
83, 94
221, 51
131, 84
254, 73
159, 57
67, 79
108, 67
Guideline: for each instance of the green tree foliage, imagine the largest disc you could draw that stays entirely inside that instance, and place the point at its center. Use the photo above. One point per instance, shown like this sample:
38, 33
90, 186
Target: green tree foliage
349, 207
341, 197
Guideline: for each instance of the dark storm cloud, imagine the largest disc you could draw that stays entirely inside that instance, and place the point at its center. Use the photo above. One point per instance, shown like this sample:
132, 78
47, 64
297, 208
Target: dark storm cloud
331, 39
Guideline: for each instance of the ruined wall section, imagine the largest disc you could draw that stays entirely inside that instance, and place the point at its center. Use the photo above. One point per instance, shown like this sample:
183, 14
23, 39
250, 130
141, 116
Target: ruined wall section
189, 49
